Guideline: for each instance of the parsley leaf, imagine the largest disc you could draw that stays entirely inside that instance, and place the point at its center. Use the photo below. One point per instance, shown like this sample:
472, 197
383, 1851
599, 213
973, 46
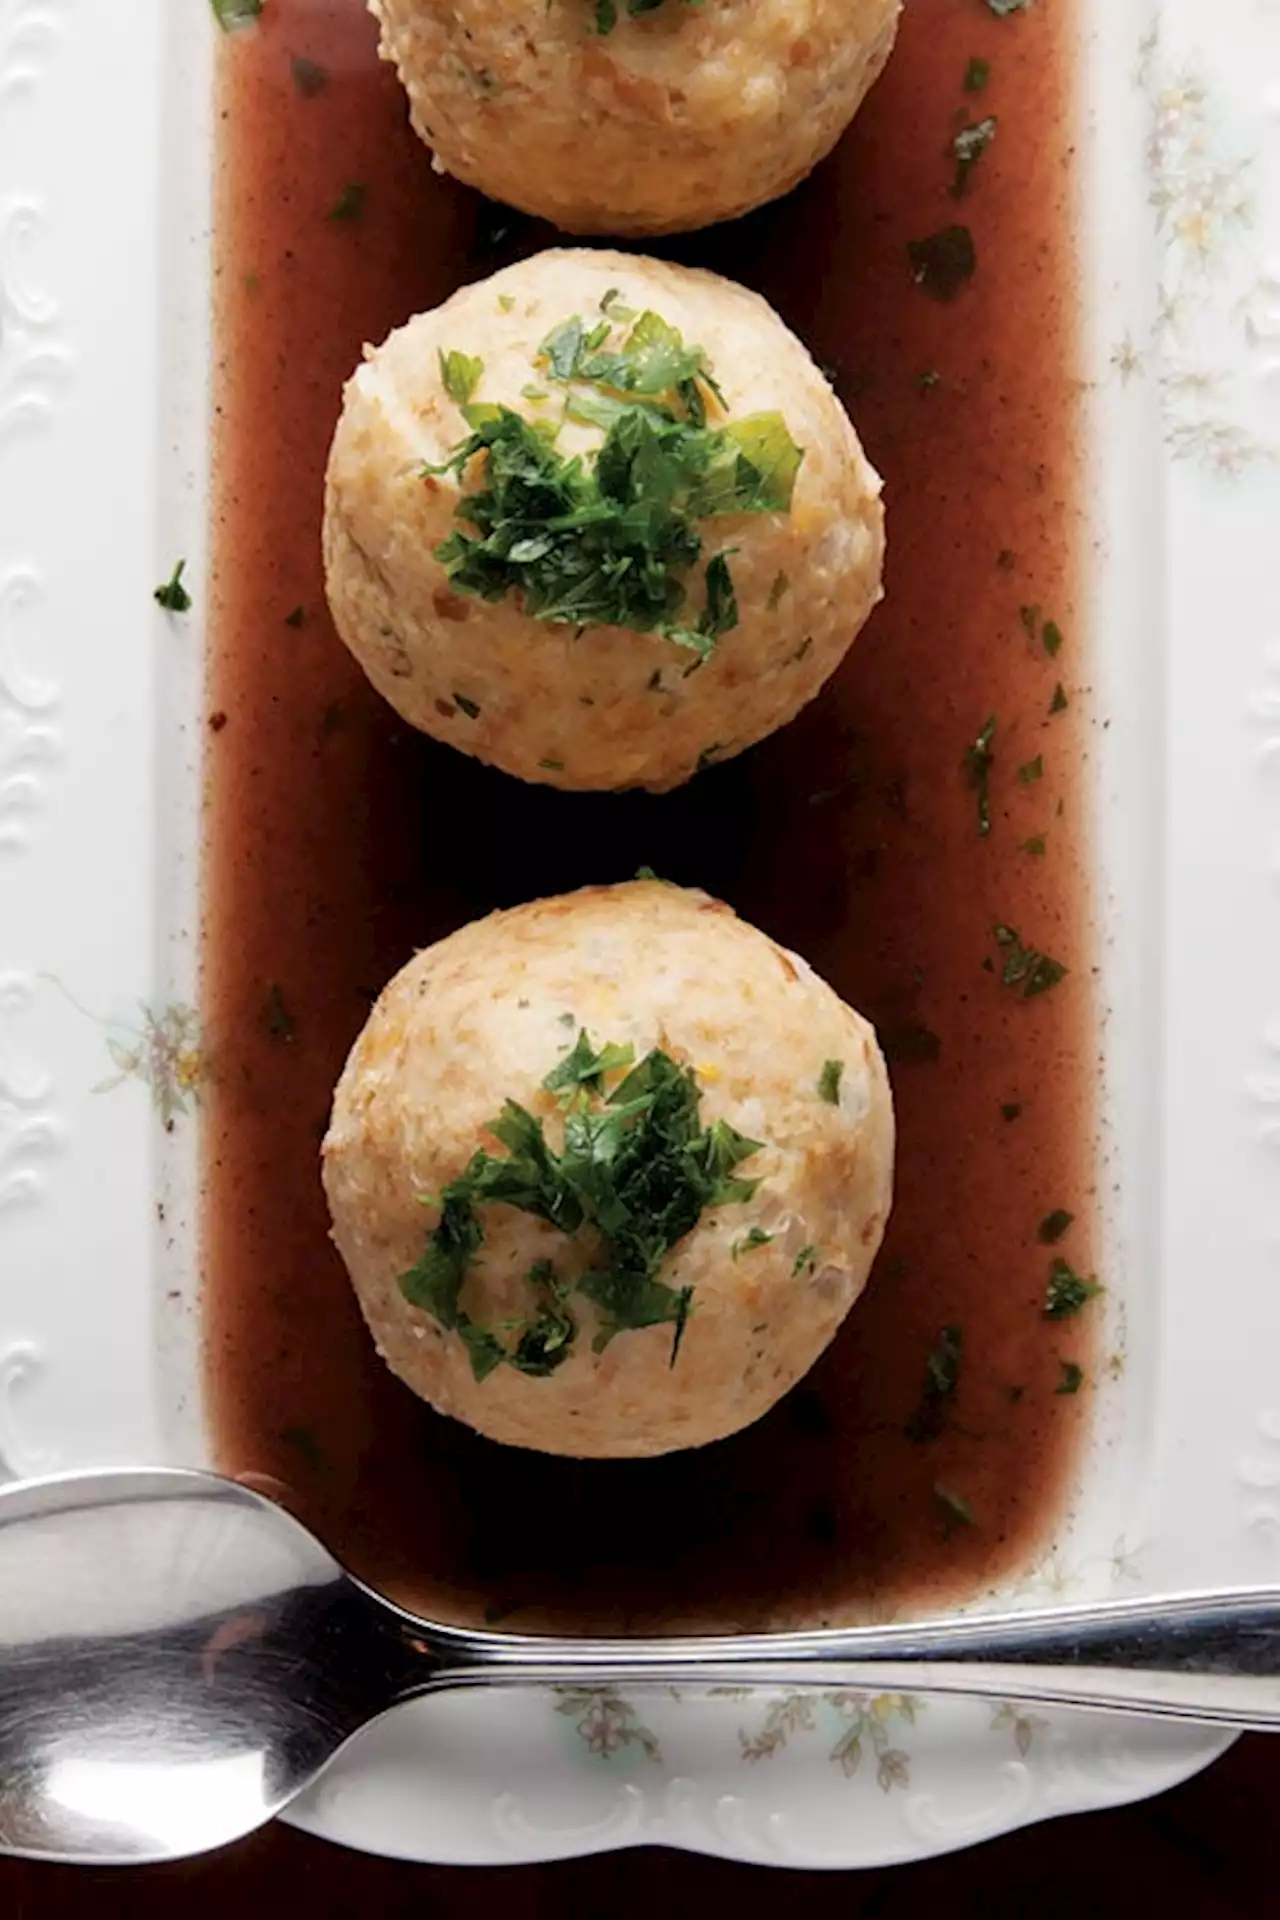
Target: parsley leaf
829, 1081
231, 14
1072, 1377
349, 204
1067, 1291
585, 1067
753, 1238
309, 77
968, 147
1026, 967
976, 75
173, 596
978, 761
546, 1340
943, 262
956, 1511
1059, 703
941, 1379
1030, 771
806, 1261
461, 375
1053, 1226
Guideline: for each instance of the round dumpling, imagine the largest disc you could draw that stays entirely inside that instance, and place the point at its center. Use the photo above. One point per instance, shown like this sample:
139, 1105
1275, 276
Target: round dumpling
608, 1171
598, 521
634, 116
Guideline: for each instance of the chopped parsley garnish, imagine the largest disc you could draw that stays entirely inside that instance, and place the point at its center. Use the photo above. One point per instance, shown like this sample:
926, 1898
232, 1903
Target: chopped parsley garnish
173, 596
461, 375
968, 147
309, 77
957, 1511
296, 618
231, 14
1011, 1109
943, 262
1026, 967
1035, 845
1030, 771
1072, 1377
806, 1261
753, 1238
544, 1340
636, 1169
1059, 703
781, 586
607, 12
606, 539
349, 204
468, 707
584, 1068
941, 1378
978, 761
276, 1017
1053, 1226
1003, 8
829, 1081
1048, 632
552, 766
976, 75
1067, 1291
927, 381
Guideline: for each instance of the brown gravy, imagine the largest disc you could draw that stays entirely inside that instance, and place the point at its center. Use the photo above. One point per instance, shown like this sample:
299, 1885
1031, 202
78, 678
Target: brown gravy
337, 841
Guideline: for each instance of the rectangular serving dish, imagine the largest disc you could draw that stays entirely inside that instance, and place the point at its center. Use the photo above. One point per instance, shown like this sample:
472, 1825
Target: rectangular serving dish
105, 357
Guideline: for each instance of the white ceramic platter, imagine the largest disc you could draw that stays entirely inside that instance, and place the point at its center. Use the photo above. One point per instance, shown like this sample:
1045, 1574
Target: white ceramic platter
104, 378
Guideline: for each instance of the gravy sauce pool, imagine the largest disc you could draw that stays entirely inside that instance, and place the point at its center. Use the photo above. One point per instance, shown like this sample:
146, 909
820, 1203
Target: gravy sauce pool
337, 842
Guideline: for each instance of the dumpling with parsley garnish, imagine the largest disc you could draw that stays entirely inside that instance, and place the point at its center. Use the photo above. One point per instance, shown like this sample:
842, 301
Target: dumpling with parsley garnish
608, 1171
598, 520
634, 116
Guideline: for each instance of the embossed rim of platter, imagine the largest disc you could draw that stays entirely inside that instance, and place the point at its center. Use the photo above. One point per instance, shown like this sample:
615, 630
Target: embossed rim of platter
104, 370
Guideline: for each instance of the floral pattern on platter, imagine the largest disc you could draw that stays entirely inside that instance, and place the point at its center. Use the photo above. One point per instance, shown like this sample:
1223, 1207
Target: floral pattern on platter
164, 1053
606, 1722
1212, 297
865, 1723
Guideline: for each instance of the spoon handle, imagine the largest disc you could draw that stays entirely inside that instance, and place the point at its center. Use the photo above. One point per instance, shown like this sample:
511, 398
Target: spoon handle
1203, 1656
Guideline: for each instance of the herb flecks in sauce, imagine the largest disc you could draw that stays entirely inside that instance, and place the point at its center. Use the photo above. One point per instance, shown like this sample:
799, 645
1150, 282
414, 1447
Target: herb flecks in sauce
276, 1017
979, 757
829, 1081
1025, 967
976, 75
1053, 1226
349, 204
309, 77
1072, 1377
1067, 1291
608, 539
636, 1169
943, 262
956, 1510
233, 14
967, 147
941, 1379
172, 595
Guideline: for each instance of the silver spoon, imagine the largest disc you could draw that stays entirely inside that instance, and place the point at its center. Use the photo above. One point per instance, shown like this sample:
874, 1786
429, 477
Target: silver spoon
179, 1658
